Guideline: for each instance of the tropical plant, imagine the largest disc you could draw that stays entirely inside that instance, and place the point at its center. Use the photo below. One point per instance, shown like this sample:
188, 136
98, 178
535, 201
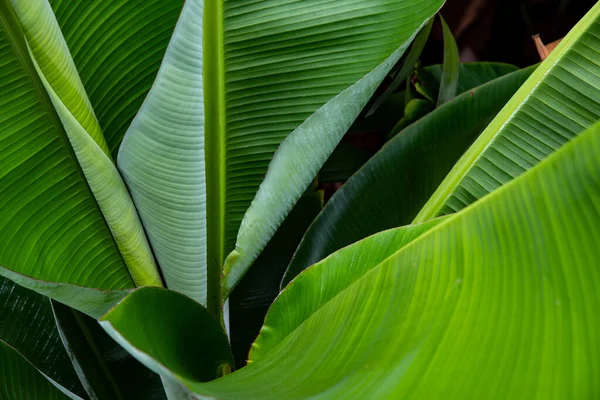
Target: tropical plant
154, 152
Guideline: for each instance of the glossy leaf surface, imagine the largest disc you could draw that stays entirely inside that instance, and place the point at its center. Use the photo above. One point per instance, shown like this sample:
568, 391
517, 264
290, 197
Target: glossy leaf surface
481, 298
154, 323
56, 70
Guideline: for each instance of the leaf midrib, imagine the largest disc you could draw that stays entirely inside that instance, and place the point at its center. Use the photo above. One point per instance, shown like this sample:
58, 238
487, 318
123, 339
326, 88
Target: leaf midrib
215, 151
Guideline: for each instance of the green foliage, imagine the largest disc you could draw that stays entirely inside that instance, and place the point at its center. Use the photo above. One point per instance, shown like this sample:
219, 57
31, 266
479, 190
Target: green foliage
196, 142
391, 188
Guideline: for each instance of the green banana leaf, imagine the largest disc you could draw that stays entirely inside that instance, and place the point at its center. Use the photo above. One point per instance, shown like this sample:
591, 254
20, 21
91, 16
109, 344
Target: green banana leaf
249, 302
107, 370
117, 47
20, 379
272, 68
451, 67
394, 184
499, 300
90, 301
50, 223
27, 325
206, 354
559, 100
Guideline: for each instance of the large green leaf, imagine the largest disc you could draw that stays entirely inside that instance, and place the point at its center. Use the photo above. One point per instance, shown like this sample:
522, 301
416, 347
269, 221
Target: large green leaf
500, 300
392, 187
267, 67
558, 101
108, 371
150, 316
295, 164
118, 321
27, 325
50, 224
162, 160
21, 381
52, 60
117, 47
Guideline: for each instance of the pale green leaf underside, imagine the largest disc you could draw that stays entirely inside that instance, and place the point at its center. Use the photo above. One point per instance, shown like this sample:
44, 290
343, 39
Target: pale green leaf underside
50, 224
93, 302
559, 100
500, 300
162, 160
305, 150
52, 60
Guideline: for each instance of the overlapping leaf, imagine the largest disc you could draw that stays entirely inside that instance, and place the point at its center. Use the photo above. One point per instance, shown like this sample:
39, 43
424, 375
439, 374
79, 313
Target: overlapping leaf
499, 300
559, 100
21, 381
50, 224
107, 370
27, 325
394, 184
266, 68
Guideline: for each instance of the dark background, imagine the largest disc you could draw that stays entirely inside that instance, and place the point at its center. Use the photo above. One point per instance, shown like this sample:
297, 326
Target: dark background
501, 30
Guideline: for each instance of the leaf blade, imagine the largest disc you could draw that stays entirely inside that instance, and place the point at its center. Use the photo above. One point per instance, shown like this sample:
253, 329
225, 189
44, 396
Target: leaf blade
28, 327
54, 201
450, 70
299, 152
391, 188
557, 102
162, 161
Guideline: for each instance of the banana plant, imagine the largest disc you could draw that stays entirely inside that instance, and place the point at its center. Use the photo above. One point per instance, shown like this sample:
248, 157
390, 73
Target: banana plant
136, 135
151, 150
